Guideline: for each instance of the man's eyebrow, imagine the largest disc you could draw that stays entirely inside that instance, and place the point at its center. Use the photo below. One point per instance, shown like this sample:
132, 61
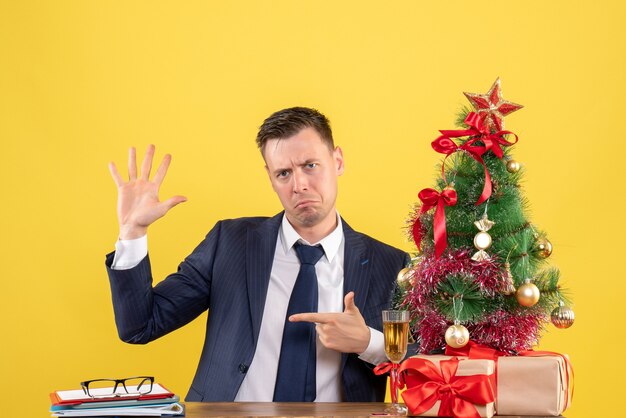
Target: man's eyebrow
280, 170
311, 160
305, 162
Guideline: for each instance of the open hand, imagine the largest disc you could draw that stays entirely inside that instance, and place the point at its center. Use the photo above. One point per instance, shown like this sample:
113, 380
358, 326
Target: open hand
345, 332
138, 203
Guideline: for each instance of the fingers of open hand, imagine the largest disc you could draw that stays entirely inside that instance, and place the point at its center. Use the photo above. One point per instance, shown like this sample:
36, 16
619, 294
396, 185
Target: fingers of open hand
146, 165
132, 164
162, 170
119, 182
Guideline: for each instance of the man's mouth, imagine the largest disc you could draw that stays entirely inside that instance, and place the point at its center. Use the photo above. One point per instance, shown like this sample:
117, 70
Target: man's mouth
304, 203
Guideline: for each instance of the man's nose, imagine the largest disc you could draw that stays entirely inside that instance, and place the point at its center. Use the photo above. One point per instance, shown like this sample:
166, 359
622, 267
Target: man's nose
299, 182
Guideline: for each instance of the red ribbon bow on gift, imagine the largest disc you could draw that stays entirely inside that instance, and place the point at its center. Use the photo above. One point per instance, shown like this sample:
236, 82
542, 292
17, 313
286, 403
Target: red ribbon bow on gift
428, 384
479, 132
432, 198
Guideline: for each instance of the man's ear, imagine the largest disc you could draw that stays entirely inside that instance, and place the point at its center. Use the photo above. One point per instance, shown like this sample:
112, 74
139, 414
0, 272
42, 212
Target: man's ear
338, 156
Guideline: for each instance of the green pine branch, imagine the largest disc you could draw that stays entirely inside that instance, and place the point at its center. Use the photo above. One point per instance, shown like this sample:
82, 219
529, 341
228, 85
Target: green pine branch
459, 298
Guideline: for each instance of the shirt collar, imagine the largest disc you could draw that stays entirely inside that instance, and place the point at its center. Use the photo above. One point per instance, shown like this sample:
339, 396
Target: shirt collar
330, 243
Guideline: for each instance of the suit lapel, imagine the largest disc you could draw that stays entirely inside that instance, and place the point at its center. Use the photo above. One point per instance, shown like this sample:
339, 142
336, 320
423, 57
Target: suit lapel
356, 271
260, 248
356, 266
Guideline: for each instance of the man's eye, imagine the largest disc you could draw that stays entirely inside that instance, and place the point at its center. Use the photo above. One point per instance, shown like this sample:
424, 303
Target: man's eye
283, 174
311, 165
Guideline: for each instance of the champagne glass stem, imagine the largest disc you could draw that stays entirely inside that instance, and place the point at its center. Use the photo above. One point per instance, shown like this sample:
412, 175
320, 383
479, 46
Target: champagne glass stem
394, 384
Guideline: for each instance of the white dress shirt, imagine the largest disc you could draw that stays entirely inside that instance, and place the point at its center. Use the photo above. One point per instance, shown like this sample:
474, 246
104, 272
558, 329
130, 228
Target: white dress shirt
258, 384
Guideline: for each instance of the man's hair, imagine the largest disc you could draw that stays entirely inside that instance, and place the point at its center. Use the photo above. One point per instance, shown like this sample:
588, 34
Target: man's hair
288, 122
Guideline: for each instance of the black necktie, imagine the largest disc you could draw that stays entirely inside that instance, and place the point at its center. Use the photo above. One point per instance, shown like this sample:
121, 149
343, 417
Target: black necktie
295, 381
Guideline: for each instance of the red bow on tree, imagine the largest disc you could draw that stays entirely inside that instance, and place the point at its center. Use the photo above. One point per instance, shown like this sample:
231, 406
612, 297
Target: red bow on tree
427, 384
478, 132
432, 198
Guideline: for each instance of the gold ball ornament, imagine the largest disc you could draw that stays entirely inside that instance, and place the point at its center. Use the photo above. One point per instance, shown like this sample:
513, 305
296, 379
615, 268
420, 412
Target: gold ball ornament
527, 294
562, 316
512, 166
404, 278
544, 247
457, 336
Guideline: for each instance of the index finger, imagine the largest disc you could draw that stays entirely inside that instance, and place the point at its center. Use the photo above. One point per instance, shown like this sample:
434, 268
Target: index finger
162, 170
318, 318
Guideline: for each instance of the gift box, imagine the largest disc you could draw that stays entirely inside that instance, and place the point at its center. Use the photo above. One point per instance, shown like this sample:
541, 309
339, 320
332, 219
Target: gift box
533, 385
438, 385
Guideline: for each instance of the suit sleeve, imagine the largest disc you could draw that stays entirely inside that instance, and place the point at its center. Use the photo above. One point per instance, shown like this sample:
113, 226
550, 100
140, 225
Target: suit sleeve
144, 313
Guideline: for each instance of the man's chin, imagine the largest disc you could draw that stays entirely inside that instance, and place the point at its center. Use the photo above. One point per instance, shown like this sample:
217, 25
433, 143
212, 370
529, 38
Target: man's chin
309, 220
307, 217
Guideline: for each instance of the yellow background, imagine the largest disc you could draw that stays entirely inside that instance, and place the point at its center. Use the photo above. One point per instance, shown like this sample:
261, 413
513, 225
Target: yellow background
81, 81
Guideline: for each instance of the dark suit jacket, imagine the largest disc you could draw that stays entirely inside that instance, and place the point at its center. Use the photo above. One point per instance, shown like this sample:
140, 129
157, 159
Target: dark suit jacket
229, 273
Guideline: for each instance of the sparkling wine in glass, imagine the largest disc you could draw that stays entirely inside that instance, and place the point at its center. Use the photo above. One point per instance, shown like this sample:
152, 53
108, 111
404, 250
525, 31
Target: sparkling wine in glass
396, 332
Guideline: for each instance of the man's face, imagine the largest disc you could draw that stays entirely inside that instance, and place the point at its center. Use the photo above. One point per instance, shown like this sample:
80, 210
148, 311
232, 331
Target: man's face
303, 172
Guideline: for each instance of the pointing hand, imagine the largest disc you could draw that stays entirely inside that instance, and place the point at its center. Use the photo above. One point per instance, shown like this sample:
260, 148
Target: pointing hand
345, 332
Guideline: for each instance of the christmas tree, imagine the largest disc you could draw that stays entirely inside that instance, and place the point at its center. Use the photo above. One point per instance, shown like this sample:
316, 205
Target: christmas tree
482, 271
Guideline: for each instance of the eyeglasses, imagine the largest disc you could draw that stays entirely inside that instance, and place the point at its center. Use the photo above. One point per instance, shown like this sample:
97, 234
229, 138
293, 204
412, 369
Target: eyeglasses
132, 386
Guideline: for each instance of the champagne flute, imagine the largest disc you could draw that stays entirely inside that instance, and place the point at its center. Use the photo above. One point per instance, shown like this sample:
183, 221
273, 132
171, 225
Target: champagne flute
396, 332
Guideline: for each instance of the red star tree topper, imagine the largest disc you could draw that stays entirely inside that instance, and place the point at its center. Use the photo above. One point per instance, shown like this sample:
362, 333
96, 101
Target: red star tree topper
492, 106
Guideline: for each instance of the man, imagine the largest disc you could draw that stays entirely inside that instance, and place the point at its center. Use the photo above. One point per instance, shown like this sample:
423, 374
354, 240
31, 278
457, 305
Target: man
265, 340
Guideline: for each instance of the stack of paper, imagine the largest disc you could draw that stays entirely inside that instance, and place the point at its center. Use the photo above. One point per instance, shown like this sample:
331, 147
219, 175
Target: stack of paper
160, 402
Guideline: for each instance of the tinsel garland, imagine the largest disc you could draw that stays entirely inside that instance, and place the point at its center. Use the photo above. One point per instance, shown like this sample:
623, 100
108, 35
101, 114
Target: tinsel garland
506, 331
509, 332
430, 271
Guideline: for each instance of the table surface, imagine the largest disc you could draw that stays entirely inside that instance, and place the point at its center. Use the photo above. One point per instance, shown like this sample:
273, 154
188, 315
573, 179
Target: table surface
295, 409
